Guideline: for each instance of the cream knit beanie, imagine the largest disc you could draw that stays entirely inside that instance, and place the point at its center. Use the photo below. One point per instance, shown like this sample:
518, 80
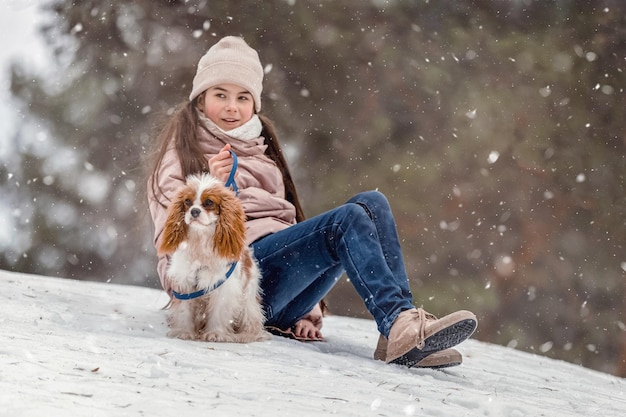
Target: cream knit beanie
230, 61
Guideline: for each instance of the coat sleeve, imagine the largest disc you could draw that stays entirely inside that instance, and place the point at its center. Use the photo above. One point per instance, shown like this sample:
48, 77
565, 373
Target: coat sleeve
169, 181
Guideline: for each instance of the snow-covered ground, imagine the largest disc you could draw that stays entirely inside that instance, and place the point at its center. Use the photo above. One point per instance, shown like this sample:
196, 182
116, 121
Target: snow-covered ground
93, 349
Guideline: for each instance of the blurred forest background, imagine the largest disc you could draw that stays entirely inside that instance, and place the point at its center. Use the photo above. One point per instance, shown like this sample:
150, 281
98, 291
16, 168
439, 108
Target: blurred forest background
497, 130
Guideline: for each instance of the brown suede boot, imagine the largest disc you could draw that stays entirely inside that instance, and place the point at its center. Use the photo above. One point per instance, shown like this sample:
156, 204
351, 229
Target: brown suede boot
417, 334
442, 359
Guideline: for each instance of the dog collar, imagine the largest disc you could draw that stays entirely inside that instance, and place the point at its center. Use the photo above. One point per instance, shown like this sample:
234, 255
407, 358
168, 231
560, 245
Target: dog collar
200, 293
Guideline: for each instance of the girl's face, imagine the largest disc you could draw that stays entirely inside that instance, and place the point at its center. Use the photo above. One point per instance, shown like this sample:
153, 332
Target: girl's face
227, 105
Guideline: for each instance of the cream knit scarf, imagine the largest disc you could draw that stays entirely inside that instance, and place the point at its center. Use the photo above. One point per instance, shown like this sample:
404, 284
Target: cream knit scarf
247, 131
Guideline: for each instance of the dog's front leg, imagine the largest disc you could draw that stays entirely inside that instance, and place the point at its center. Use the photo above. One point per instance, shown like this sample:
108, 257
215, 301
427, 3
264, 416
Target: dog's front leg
220, 317
180, 321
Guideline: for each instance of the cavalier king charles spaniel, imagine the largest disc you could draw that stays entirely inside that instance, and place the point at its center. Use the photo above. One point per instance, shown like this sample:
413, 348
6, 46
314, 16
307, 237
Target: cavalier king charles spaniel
213, 275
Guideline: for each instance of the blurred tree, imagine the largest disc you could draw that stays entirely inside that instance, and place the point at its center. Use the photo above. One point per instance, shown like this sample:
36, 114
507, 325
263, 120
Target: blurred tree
495, 129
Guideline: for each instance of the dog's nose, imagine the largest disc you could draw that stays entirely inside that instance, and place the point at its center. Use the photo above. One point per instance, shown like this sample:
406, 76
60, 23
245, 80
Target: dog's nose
195, 212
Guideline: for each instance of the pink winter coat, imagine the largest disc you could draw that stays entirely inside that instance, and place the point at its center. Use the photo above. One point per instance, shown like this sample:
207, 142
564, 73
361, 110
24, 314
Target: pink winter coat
260, 183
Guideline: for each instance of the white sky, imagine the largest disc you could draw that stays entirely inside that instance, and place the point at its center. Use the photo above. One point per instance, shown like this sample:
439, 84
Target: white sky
19, 41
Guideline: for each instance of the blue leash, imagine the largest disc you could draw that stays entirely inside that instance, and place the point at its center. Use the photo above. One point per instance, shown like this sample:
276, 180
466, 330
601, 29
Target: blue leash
200, 293
230, 182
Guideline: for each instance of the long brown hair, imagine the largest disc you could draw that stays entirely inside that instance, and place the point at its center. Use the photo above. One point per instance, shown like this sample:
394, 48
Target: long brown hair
275, 153
182, 126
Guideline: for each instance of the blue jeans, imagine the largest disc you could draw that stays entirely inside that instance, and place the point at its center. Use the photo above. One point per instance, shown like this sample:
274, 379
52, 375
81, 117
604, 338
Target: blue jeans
302, 263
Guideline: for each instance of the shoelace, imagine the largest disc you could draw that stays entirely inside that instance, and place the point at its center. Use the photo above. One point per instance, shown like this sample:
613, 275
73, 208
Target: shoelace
423, 317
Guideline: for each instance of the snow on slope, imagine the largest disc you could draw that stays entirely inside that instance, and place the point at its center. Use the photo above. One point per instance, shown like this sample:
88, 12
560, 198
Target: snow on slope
93, 349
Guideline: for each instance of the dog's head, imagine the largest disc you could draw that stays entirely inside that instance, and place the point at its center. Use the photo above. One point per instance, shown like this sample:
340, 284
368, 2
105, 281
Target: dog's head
204, 207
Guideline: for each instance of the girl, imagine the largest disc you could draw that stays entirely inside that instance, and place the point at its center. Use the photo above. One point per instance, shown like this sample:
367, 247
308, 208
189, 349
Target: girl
300, 260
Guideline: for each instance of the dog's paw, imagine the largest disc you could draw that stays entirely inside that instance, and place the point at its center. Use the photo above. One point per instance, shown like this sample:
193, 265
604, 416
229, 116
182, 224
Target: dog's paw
181, 335
214, 337
263, 335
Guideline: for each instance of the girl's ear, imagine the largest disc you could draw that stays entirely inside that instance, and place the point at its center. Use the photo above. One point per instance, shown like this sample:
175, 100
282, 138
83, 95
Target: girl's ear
230, 231
200, 101
175, 230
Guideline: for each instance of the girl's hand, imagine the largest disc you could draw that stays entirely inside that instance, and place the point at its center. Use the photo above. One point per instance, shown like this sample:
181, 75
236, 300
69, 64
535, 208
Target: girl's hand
221, 164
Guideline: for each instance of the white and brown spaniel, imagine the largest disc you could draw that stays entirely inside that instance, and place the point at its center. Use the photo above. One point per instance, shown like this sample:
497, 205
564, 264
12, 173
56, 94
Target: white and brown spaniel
212, 272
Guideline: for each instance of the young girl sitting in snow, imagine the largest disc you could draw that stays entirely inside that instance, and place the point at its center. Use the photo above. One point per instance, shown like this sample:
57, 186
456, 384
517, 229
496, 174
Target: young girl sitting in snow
300, 259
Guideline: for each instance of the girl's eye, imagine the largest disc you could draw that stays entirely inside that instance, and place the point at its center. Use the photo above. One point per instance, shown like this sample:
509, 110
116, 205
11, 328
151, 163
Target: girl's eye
188, 202
208, 203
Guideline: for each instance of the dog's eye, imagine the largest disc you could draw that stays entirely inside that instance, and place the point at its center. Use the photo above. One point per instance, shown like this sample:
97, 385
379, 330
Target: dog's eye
208, 203
188, 202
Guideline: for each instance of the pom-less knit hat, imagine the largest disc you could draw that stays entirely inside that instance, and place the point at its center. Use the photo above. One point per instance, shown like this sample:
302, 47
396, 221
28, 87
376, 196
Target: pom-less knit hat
230, 61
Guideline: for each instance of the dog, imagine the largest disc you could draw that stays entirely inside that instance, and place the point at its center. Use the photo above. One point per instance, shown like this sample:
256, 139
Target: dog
212, 272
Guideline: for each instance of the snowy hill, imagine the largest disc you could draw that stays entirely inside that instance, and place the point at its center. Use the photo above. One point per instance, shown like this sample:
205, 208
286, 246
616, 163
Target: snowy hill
92, 349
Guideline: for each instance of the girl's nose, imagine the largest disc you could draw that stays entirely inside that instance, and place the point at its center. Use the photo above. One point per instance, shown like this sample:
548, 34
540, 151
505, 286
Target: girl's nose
231, 105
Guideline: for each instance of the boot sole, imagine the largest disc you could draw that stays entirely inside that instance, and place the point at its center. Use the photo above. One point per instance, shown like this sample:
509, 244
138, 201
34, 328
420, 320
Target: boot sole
443, 339
442, 366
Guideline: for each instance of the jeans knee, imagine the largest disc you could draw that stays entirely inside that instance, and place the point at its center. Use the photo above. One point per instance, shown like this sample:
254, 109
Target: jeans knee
372, 201
354, 212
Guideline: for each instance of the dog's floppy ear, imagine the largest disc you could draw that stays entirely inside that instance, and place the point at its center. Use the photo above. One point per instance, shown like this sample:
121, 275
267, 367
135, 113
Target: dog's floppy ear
230, 231
175, 230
